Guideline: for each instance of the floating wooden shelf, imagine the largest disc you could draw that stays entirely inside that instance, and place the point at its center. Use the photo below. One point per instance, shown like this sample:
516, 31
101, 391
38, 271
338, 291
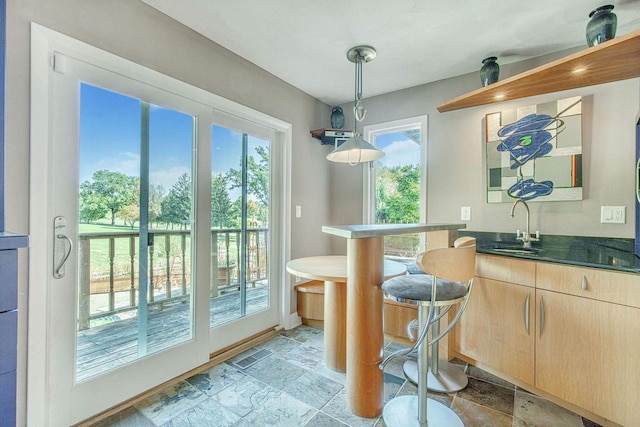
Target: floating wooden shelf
613, 60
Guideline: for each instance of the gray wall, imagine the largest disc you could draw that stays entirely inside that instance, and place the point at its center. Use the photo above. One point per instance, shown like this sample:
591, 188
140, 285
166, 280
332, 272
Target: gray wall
456, 158
139, 33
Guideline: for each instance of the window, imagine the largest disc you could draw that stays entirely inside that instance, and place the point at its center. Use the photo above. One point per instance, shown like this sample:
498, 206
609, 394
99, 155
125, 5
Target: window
396, 184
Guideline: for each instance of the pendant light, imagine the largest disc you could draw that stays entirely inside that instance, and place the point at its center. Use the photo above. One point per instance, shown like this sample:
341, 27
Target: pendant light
355, 149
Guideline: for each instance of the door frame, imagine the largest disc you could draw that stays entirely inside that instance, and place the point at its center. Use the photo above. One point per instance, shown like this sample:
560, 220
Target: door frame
44, 43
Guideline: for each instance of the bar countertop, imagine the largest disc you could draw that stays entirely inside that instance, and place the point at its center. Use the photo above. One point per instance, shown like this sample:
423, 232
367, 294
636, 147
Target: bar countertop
378, 230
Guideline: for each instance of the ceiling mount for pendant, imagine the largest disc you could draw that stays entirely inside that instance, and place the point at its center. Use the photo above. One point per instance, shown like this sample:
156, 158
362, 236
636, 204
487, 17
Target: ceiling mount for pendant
364, 53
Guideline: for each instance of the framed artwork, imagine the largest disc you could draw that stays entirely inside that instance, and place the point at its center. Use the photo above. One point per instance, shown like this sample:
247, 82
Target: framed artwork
534, 152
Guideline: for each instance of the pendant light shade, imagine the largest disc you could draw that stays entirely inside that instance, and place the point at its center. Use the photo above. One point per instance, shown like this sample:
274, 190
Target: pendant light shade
355, 149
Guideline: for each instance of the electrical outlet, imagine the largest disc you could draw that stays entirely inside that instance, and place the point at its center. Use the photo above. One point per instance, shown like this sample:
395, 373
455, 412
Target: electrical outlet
465, 213
298, 279
613, 214
298, 211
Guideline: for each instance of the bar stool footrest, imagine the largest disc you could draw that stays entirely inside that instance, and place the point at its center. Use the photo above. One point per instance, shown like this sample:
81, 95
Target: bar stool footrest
450, 379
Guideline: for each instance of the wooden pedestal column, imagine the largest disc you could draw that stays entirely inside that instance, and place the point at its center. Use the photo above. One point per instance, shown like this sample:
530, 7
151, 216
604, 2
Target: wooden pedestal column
365, 338
335, 325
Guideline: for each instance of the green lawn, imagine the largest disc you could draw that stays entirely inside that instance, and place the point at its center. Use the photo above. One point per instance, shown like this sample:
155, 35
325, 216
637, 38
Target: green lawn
104, 228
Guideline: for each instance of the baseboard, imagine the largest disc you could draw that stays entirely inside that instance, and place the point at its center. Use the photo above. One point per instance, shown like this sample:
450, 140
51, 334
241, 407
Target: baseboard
293, 321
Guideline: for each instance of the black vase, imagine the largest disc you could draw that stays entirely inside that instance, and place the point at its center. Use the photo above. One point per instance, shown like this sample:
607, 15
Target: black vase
490, 71
337, 118
602, 25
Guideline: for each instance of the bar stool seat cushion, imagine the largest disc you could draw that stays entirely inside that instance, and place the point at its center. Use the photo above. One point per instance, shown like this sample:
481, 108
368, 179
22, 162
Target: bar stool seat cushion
418, 288
414, 269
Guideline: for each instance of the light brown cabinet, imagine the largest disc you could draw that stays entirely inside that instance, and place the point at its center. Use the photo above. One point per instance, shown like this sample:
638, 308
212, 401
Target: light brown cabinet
583, 341
587, 355
493, 328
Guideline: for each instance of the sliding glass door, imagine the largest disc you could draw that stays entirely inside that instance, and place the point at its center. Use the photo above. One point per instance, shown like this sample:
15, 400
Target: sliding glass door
122, 209
158, 227
243, 291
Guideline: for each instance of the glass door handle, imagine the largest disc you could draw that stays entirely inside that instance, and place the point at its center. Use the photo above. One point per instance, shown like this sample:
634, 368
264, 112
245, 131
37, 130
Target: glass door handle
60, 251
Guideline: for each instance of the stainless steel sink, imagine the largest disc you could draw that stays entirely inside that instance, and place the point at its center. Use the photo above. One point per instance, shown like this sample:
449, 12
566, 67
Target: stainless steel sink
517, 250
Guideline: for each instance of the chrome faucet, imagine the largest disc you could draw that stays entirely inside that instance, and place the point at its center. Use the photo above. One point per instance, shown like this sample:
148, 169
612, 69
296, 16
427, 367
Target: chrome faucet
526, 235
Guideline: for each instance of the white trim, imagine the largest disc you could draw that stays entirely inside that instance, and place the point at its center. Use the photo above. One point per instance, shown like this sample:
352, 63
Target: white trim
285, 249
293, 321
37, 361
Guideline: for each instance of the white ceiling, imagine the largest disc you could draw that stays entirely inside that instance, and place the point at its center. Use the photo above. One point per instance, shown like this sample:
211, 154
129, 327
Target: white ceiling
304, 42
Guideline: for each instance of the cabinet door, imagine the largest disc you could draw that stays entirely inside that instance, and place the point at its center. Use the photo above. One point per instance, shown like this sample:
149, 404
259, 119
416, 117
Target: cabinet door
493, 328
587, 354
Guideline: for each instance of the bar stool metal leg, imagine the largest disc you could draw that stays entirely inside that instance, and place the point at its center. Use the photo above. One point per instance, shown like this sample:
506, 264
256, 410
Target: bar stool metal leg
443, 377
419, 411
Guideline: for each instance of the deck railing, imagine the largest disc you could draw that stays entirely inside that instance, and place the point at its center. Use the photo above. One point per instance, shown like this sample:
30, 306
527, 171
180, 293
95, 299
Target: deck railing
108, 268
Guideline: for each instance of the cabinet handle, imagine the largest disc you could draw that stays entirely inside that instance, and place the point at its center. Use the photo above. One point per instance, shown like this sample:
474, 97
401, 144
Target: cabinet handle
583, 285
527, 304
541, 317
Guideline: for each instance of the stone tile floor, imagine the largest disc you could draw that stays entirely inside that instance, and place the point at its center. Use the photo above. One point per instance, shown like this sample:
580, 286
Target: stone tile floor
284, 383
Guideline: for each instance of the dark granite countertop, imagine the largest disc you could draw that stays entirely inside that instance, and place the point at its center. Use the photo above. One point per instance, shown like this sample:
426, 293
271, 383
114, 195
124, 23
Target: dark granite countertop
596, 252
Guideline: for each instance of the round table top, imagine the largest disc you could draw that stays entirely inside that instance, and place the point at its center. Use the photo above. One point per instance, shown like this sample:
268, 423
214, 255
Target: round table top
333, 268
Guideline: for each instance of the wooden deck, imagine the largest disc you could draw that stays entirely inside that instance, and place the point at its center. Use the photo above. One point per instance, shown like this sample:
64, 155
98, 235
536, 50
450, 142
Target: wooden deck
108, 346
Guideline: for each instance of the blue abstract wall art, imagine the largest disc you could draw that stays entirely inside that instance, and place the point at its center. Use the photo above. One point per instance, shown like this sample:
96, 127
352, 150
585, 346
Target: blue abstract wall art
535, 152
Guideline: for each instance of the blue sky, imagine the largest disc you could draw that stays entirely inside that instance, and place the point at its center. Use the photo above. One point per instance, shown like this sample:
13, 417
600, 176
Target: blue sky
399, 150
110, 139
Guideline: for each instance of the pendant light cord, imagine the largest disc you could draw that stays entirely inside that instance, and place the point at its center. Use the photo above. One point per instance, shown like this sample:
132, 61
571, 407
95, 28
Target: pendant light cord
356, 99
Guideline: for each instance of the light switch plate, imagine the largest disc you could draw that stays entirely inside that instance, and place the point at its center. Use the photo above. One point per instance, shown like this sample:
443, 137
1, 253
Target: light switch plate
298, 211
613, 214
465, 213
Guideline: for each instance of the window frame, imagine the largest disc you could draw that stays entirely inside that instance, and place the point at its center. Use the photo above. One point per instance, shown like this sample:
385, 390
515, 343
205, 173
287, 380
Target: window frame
368, 196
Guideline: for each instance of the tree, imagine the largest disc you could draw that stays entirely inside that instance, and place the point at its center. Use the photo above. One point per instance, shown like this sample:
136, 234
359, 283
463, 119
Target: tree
176, 207
107, 192
383, 182
221, 206
398, 194
130, 214
257, 182
92, 207
156, 195
258, 176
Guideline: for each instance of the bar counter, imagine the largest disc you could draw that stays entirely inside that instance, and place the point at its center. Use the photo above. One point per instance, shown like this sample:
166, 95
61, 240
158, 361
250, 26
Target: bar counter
365, 337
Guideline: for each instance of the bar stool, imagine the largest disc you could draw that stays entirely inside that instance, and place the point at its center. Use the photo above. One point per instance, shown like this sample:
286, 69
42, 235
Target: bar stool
443, 377
448, 282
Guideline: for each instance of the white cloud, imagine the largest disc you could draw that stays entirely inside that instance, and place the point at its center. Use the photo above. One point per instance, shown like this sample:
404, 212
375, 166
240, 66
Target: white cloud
168, 177
400, 153
124, 162
128, 163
